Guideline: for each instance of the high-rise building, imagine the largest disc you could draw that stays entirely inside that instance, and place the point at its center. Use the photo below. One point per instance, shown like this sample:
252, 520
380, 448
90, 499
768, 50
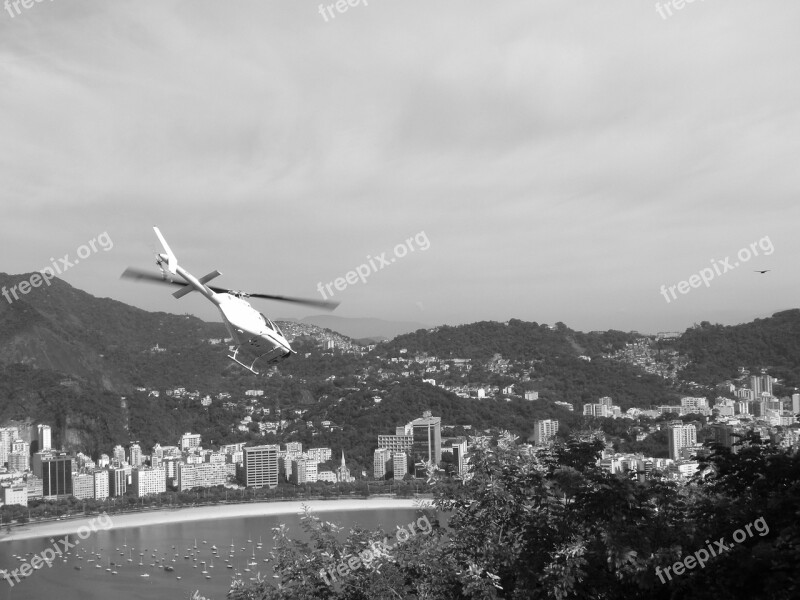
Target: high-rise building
458, 448
83, 486
680, 436
303, 471
285, 465
426, 438
759, 408
260, 465
723, 435
382, 462
146, 481
544, 431
796, 404
761, 384
7, 437
20, 457
170, 465
400, 465
118, 481
100, 484
45, 438
135, 455
55, 471
118, 456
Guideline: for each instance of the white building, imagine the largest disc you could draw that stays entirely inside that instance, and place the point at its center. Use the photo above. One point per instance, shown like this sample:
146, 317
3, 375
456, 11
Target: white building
135, 457
319, 454
694, 405
148, 481
294, 447
681, 435
190, 440
544, 431
206, 474
15, 494
400, 465
101, 484
381, 462
303, 471
45, 437
118, 456
83, 486
7, 437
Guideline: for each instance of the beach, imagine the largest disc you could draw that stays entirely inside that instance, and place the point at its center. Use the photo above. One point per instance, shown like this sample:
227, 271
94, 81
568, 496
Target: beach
203, 513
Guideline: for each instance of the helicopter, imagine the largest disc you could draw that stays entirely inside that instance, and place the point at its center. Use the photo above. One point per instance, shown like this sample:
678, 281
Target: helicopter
253, 333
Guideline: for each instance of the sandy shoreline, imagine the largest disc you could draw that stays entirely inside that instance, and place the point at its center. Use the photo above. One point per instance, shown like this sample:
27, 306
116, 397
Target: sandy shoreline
202, 513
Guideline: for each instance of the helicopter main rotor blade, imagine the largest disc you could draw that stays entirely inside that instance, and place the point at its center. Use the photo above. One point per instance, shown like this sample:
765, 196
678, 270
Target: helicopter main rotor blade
141, 275
323, 304
305, 301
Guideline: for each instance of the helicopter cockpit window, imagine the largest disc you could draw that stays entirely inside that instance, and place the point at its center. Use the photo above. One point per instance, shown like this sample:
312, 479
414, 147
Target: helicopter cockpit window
267, 322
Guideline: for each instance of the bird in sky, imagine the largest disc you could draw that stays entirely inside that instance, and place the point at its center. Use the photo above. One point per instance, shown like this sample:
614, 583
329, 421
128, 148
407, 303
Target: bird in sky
762, 272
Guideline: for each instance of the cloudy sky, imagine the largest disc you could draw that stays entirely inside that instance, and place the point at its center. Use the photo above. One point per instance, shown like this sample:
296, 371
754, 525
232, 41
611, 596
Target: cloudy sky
548, 160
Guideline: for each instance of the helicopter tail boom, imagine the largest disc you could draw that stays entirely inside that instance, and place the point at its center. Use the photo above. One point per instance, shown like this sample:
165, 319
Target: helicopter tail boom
169, 256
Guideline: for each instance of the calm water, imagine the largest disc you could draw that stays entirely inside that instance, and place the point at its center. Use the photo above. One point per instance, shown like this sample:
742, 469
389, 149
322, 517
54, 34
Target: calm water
63, 582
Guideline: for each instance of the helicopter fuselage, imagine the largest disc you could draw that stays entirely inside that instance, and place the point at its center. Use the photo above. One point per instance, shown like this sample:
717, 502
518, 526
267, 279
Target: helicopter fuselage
251, 331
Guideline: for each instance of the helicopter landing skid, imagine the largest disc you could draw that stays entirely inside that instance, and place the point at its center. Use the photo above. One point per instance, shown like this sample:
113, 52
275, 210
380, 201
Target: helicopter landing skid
238, 362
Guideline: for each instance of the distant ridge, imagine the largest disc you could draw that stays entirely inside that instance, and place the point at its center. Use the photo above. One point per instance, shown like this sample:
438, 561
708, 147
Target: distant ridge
363, 328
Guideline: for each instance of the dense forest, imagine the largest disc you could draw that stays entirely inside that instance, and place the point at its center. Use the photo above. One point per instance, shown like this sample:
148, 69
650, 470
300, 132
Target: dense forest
717, 351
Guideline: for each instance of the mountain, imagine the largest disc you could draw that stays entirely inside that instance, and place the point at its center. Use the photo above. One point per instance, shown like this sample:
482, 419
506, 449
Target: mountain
514, 339
102, 342
366, 329
717, 351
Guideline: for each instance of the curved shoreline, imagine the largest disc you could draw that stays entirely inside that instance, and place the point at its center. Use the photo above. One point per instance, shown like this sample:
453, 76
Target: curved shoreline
203, 513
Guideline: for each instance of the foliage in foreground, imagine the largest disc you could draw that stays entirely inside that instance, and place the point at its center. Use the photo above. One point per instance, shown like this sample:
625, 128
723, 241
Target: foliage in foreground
550, 524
